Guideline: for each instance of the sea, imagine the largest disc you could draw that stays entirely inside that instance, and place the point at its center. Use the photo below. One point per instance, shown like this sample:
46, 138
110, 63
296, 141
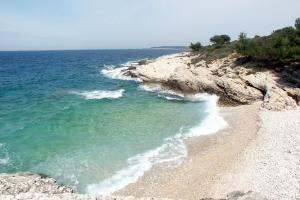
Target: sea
74, 116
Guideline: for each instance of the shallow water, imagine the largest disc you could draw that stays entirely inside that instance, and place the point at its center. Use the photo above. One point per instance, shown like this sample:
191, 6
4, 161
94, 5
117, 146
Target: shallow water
64, 114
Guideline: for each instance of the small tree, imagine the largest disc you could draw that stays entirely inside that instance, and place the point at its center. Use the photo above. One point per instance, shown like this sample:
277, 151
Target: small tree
297, 24
242, 43
195, 47
220, 40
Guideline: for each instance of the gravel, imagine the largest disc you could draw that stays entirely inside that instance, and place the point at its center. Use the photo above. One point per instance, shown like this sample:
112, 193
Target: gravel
270, 165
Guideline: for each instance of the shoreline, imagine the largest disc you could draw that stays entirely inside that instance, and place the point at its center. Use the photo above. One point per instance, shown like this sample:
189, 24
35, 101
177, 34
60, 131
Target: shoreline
259, 152
192, 179
208, 157
173, 151
266, 162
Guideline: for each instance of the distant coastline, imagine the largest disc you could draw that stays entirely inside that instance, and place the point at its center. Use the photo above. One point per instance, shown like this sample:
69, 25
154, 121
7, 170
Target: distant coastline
171, 47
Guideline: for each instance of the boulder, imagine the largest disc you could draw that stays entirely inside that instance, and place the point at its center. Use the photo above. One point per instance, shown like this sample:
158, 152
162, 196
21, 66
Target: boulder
277, 99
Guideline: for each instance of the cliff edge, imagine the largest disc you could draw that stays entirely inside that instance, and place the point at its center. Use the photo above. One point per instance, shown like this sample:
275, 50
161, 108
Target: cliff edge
233, 78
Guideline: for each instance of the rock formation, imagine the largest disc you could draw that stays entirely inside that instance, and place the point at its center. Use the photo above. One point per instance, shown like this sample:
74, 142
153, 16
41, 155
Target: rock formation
234, 81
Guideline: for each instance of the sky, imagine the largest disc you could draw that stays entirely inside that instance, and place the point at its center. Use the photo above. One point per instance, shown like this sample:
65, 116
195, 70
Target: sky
115, 24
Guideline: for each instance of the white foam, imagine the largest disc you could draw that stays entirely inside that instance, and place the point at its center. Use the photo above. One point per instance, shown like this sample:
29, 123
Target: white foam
4, 161
137, 166
170, 98
213, 122
114, 72
130, 64
173, 150
100, 94
163, 93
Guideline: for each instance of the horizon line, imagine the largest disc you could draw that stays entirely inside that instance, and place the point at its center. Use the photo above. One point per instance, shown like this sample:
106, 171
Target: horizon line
88, 49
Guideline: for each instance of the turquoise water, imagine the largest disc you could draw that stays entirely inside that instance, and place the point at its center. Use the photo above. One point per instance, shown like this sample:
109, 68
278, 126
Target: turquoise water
61, 116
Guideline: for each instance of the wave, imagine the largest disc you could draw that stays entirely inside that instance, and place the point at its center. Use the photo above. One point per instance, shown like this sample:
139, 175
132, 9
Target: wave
176, 95
163, 93
114, 72
130, 64
173, 151
100, 94
170, 98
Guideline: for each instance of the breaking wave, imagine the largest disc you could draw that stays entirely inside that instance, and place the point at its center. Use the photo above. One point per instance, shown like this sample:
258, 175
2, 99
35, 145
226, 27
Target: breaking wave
100, 94
163, 93
118, 72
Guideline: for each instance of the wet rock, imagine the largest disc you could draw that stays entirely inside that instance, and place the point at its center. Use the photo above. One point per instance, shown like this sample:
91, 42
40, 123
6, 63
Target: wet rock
245, 196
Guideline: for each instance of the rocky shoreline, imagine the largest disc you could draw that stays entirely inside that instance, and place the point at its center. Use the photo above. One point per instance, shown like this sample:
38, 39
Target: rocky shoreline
232, 78
28, 186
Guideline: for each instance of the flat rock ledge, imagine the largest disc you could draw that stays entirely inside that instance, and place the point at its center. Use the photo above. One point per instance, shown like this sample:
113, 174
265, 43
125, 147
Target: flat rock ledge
233, 79
29, 186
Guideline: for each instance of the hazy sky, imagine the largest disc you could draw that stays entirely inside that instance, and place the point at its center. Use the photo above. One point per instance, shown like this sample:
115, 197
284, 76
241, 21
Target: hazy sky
95, 24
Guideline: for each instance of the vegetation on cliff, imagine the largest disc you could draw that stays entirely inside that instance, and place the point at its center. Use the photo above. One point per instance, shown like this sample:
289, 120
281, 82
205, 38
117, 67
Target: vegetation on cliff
196, 46
281, 46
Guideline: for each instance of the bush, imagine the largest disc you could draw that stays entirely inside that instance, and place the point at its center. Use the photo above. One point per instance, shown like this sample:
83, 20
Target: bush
281, 46
195, 47
242, 44
220, 40
297, 24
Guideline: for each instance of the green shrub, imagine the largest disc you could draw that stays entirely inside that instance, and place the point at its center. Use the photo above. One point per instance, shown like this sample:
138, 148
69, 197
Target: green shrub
195, 47
220, 40
297, 24
281, 46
